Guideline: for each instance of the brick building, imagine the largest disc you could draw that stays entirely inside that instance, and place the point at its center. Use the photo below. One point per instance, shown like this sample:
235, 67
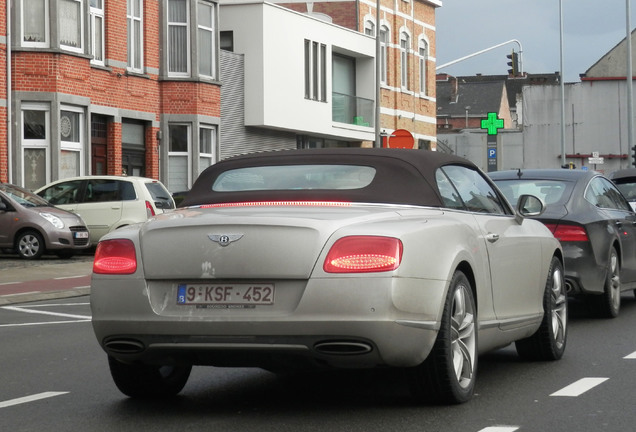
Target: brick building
108, 87
134, 86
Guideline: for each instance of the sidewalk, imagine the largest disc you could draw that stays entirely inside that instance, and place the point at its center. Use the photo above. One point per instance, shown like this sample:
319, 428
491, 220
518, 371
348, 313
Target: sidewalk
24, 281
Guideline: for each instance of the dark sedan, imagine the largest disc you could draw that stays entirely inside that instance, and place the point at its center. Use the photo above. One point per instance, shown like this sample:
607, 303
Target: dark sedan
595, 225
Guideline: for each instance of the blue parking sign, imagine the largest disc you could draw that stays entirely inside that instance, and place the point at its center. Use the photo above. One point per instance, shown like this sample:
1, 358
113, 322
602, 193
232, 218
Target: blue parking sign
492, 153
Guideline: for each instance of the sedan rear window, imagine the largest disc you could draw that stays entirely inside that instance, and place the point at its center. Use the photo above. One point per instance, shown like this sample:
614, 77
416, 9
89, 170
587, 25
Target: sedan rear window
295, 177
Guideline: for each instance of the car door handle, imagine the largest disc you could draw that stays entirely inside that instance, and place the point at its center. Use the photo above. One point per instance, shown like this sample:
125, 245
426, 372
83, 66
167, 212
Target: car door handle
492, 237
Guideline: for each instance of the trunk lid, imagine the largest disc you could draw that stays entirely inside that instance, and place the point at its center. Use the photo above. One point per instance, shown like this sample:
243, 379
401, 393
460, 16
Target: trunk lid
232, 243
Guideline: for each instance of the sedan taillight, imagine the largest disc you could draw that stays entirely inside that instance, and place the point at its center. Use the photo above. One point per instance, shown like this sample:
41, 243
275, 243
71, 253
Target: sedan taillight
364, 254
115, 257
568, 233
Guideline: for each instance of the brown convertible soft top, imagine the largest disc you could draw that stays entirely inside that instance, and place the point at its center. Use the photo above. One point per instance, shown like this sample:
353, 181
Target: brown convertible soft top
402, 176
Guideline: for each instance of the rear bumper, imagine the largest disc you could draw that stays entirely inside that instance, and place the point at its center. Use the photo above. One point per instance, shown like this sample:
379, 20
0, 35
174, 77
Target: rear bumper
381, 322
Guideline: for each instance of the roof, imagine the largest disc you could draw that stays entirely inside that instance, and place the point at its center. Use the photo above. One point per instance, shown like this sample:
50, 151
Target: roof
402, 176
482, 98
467, 88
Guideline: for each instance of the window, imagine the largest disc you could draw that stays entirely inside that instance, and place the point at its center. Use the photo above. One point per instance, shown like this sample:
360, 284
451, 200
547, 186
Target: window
97, 31
135, 31
384, 42
178, 38
35, 23
315, 71
71, 133
71, 24
206, 39
423, 51
35, 145
207, 146
369, 28
178, 157
405, 45
464, 188
603, 194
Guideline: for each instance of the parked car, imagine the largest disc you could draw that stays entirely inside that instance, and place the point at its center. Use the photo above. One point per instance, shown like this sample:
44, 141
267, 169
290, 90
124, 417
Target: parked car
30, 226
343, 258
109, 202
595, 225
625, 181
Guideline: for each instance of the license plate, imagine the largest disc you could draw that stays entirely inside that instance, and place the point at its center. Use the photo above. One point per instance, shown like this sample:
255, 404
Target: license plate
232, 294
80, 234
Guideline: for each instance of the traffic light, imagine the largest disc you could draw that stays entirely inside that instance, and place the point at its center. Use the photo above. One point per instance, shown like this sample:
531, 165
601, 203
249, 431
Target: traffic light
634, 156
513, 63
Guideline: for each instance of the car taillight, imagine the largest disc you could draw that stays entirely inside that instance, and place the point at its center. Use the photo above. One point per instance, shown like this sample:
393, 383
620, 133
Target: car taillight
363, 254
568, 233
115, 257
149, 210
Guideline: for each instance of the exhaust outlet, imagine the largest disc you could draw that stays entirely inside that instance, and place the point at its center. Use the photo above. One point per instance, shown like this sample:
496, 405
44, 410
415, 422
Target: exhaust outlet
124, 346
343, 348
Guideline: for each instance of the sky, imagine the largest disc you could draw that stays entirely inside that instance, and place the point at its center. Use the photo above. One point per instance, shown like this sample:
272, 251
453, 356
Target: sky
591, 28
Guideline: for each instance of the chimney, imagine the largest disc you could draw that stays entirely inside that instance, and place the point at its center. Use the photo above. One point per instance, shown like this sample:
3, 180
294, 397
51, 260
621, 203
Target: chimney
453, 83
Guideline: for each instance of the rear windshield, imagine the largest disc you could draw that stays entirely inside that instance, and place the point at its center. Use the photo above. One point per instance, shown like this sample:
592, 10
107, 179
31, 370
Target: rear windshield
295, 177
550, 191
160, 195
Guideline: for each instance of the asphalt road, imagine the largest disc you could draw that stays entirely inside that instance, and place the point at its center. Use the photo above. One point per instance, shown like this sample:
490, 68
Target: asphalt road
55, 377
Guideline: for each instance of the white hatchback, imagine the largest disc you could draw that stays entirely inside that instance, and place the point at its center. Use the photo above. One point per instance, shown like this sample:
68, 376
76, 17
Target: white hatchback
106, 203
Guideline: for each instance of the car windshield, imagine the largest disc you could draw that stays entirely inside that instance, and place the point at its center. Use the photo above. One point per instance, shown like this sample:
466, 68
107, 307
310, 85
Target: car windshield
549, 191
294, 177
23, 196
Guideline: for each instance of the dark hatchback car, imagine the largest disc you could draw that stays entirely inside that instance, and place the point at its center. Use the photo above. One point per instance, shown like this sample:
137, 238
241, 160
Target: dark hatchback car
596, 227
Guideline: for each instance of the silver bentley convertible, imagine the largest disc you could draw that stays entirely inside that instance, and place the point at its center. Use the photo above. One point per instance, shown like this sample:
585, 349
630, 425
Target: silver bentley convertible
331, 258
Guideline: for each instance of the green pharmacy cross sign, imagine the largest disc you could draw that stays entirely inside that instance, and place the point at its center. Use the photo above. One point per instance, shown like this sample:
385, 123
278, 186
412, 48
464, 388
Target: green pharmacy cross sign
492, 123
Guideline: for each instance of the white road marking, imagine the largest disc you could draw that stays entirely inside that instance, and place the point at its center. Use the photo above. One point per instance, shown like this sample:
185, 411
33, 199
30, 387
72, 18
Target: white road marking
33, 311
631, 356
579, 387
31, 398
500, 429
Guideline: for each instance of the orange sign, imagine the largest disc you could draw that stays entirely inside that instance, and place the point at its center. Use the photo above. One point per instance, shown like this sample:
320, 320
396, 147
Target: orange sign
401, 138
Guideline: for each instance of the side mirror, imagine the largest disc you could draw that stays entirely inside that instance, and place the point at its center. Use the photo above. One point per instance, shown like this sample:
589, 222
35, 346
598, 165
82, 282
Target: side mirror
3, 206
529, 206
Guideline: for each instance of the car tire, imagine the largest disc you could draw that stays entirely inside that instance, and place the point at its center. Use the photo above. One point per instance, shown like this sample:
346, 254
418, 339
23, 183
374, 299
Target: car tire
548, 342
148, 381
448, 375
30, 245
608, 304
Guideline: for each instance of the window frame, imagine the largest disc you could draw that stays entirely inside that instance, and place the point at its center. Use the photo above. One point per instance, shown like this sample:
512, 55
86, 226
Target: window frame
73, 146
172, 155
169, 49
135, 47
405, 48
423, 61
97, 13
37, 144
46, 43
384, 54
212, 30
203, 154
62, 26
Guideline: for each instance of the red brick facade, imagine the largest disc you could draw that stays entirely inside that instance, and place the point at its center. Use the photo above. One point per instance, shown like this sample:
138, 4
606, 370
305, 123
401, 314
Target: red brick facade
57, 76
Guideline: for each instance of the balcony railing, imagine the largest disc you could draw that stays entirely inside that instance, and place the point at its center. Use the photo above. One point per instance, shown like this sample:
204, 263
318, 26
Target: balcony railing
352, 110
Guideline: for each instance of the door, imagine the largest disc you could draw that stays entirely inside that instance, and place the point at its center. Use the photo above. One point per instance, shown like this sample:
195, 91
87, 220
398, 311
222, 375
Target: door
514, 254
99, 158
